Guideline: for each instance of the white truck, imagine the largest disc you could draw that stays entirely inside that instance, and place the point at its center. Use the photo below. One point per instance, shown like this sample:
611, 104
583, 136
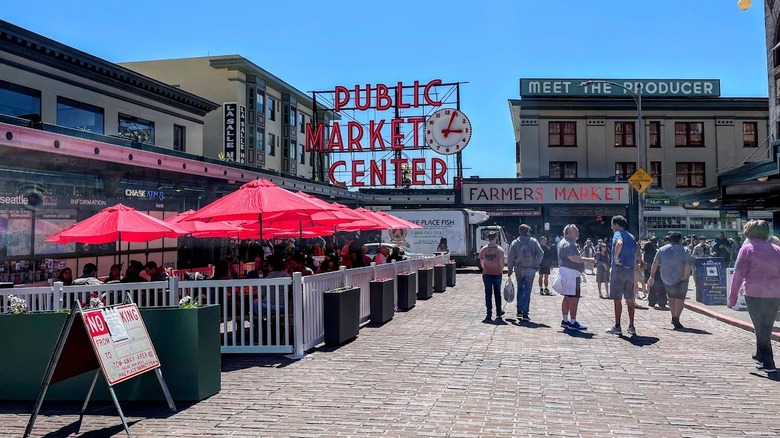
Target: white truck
461, 227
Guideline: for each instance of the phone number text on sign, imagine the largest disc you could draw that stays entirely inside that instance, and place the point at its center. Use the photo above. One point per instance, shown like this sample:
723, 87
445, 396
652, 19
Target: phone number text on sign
121, 342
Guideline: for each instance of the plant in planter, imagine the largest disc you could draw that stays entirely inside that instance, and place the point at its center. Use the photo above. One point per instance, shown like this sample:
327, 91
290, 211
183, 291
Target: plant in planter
188, 303
17, 305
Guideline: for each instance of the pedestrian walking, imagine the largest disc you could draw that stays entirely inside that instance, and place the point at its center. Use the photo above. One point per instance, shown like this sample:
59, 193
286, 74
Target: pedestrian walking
491, 258
621, 283
544, 268
676, 267
588, 251
602, 269
525, 257
571, 267
758, 269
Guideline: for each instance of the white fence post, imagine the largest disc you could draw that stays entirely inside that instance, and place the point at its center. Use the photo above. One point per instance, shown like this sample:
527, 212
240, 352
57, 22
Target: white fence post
173, 291
297, 285
343, 270
57, 295
373, 267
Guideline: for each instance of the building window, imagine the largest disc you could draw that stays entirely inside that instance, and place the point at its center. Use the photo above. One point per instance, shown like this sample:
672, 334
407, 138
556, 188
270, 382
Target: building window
562, 133
179, 138
624, 134
750, 134
18, 101
136, 129
655, 172
271, 144
302, 149
79, 115
624, 170
655, 134
666, 223
293, 117
271, 109
689, 134
563, 169
303, 124
690, 174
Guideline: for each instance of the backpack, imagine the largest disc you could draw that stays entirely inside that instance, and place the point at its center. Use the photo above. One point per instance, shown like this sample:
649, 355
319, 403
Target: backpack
492, 260
526, 255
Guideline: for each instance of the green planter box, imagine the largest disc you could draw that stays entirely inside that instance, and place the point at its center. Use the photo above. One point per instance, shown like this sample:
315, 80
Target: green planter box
186, 341
382, 300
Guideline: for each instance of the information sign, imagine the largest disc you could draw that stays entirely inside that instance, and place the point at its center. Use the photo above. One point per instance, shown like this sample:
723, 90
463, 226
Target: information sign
710, 275
121, 342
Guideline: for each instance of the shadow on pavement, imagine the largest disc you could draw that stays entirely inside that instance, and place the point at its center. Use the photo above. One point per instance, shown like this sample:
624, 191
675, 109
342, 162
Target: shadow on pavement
106, 431
769, 376
578, 334
528, 324
692, 330
235, 362
499, 321
640, 341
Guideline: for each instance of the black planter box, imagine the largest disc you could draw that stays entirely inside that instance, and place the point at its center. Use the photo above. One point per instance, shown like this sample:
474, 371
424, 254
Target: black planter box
342, 315
382, 300
424, 283
439, 278
407, 290
450, 273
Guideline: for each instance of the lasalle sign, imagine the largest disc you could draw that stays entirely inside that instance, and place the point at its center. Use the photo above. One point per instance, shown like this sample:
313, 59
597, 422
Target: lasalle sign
408, 132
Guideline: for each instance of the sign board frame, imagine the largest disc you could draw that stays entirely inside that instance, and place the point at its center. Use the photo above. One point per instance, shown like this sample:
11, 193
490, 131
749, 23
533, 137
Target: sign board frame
80, 346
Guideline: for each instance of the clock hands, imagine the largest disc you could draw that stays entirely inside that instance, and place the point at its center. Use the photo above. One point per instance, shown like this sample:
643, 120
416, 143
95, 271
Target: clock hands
445, 132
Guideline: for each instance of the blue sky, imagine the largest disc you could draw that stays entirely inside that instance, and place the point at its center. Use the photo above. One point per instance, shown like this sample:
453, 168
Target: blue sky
490, 44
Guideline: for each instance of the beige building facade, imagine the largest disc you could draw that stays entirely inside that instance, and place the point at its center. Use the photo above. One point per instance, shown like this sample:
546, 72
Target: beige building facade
274, 112
568, 132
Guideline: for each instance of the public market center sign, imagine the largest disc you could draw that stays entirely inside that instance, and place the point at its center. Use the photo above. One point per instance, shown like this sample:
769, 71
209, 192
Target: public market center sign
600, 87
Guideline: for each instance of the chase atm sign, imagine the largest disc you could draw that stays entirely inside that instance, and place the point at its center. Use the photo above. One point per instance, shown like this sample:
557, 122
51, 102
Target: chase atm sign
619, 87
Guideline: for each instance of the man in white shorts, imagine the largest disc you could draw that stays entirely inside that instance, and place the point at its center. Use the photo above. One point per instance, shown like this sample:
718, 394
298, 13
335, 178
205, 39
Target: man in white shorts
571, 265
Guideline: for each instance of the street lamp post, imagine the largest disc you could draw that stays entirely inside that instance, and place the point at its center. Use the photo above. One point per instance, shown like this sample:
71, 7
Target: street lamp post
640, 143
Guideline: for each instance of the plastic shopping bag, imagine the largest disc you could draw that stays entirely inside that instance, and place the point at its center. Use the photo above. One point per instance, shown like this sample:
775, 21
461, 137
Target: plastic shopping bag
509, 290
557, 283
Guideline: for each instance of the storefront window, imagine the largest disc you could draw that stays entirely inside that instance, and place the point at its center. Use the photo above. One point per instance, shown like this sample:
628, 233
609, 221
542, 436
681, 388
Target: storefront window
136, 129
18, 101
79, 115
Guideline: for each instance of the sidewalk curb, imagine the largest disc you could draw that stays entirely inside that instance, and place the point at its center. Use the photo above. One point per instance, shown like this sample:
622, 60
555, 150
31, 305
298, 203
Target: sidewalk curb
727, 319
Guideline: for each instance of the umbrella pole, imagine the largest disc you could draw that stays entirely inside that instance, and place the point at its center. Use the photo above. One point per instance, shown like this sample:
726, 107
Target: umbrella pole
260, 232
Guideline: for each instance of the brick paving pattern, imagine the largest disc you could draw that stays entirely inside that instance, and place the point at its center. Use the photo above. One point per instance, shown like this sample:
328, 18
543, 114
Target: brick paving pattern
440, 371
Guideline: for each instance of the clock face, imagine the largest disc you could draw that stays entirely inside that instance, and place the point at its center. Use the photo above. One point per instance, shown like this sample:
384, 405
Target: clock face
447, 131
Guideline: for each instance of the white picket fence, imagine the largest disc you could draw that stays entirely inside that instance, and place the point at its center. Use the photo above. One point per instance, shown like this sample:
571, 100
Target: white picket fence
280, 315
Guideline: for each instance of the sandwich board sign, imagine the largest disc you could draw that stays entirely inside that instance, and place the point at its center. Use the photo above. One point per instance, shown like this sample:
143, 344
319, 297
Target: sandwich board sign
111, 341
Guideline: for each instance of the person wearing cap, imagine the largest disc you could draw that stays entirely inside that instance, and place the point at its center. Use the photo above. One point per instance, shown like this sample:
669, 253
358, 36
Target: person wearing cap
90, 270
155, 273
676, 265
491, 258
88, 276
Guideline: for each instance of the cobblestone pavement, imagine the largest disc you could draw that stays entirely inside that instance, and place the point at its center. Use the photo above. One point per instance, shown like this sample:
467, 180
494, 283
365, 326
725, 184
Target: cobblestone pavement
439, 370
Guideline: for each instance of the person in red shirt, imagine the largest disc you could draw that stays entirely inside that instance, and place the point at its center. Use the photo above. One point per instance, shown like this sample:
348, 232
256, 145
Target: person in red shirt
346, 256
491, 258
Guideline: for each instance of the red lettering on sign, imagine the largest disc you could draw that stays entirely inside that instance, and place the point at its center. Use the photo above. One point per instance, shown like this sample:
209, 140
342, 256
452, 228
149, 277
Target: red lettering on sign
315, 141
383, 99
358, 173
375, 135
355, 130
438, 170
539, 194
418, 171
378, 176
332, 173
96, 324
367, 104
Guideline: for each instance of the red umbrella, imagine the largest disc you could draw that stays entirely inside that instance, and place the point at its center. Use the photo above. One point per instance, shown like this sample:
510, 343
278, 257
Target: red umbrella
117, 223
259, 200
206, 229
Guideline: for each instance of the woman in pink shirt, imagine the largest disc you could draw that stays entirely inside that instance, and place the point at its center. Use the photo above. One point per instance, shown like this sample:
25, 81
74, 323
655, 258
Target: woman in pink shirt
758, 268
